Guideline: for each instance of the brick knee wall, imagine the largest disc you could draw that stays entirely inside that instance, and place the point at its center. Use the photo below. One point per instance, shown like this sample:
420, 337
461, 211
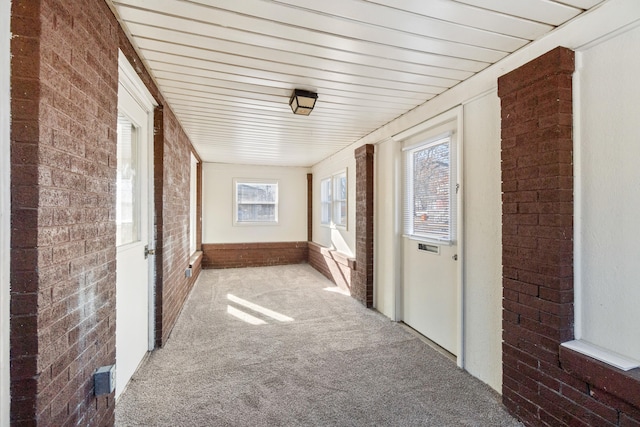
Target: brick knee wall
544, 384
237, 255
335, 266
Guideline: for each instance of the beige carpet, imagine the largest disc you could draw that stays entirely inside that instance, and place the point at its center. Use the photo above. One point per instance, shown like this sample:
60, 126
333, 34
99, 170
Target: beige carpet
277, 346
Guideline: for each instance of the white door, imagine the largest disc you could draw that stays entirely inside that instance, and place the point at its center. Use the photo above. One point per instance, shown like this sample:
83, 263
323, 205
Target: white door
430, 251
134, 284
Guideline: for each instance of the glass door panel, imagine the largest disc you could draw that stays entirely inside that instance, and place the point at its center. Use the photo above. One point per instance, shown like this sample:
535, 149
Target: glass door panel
128, 188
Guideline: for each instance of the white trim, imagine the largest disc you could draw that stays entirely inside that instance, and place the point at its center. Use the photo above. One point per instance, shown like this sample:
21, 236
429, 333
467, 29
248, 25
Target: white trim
577, 198
5, 210
131, 81
602, 354
458, 136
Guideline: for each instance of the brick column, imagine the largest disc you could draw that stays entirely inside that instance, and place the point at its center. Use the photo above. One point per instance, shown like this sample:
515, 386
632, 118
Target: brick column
362, 275
537, 229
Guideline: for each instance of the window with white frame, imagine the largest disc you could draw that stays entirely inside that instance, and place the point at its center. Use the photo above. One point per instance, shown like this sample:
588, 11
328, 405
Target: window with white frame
340, 199
429, 190
255, 201
325, 201
333, 200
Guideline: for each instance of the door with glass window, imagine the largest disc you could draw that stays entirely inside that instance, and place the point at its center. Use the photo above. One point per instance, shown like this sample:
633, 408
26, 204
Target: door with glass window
429, 243
133, 303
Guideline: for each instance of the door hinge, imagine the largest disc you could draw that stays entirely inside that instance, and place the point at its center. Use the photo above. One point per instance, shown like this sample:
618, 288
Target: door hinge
457, 188
148, 251
455, 257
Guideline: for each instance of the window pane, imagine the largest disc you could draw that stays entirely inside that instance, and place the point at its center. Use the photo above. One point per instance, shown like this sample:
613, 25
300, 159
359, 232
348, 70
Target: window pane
340, 199
256, 202
252, 193
325, 199
431, 191
257, 212
127, 197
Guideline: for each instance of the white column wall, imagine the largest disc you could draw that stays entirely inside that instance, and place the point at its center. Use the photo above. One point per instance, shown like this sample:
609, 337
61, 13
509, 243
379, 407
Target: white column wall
5, 118
217, 204
608, 195
388, 227
482, 270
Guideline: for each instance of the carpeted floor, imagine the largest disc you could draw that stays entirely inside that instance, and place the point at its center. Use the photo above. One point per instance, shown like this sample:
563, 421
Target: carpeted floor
318, 358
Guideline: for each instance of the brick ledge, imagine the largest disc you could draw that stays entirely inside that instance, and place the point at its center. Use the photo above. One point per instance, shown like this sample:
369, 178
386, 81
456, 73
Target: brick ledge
625, 385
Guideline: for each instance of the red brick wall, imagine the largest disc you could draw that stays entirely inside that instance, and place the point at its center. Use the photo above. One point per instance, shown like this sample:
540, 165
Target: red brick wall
63, 153
235, 255
335, 266
362, 279
63, 144
543, 383
175, 223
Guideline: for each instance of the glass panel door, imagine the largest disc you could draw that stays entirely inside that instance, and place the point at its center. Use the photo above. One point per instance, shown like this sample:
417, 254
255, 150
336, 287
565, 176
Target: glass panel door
128, 186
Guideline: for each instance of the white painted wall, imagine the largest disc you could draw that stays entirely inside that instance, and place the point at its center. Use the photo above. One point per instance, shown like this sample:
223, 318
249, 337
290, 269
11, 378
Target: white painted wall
608, 197
5, 118
388, 227
482, 270
340, 239
483, 240
217, 204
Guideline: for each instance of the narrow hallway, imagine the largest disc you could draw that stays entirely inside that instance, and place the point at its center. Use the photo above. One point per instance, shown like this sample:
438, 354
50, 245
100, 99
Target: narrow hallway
277, 346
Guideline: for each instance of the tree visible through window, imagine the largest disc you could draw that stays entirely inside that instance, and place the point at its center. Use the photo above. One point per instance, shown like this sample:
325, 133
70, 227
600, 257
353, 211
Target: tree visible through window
428, 201
256, 202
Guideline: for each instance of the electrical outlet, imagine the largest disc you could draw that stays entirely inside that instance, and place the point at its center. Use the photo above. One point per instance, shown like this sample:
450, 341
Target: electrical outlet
104, 380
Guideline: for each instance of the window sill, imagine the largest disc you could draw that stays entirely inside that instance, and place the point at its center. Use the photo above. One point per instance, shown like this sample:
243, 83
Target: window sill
624, 385
603, 355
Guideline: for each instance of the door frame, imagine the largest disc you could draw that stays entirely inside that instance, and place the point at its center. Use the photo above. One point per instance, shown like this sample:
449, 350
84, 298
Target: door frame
453, 115
128, 77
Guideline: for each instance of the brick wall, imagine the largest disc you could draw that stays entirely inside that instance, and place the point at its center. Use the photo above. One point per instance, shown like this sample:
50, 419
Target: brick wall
63, 144
236, 255
63, 159
543, 383
335, 266
362, 279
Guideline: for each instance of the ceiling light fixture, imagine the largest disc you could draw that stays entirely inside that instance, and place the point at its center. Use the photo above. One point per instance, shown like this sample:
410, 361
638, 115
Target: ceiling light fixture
302, 101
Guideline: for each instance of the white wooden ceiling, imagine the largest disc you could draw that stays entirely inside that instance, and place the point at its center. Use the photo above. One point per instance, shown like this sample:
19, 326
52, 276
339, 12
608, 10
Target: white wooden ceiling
228, 67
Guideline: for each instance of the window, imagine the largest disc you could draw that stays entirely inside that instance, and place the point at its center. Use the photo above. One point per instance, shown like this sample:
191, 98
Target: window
340, 199
429, 205
127, 199
256, 202
325, 201
333, 200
